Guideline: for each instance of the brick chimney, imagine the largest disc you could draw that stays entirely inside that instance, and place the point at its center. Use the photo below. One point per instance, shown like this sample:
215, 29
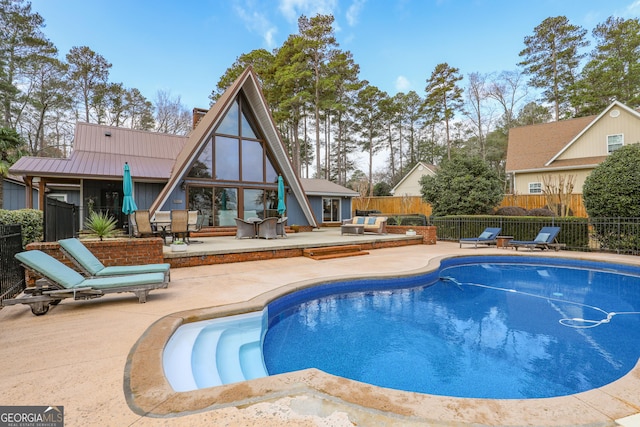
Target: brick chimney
198, 113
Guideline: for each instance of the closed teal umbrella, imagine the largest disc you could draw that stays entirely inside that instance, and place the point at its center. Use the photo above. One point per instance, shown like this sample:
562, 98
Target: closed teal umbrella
281, 206
128, 204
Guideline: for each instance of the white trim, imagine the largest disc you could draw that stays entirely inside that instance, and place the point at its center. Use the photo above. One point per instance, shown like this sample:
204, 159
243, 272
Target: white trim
554, 169
614, 103
58, 196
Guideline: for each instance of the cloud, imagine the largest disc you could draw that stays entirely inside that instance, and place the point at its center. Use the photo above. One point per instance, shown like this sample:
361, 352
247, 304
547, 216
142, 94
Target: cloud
633, 9
257, 23
402, 84
292, 9
354, 11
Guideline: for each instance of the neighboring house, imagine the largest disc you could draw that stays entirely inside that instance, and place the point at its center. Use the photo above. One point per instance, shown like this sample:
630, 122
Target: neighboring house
227, 167
568, 148
409, 185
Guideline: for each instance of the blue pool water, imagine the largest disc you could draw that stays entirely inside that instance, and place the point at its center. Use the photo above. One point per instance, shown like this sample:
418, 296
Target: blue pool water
494, 329
488, 327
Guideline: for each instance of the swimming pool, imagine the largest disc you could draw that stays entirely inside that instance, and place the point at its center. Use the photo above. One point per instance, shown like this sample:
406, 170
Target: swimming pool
493, 340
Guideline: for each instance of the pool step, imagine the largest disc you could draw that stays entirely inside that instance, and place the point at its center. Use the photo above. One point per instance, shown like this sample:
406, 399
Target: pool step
220, 351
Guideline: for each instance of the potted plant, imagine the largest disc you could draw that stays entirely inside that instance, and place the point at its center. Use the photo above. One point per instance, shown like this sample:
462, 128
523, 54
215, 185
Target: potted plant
101, 224
178, 245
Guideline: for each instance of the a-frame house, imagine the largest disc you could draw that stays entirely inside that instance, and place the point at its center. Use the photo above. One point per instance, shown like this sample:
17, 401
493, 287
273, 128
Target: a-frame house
230, 164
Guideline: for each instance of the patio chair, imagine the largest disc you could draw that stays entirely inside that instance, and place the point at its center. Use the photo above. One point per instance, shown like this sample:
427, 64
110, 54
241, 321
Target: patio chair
245, 228
280, 231
60, 282
143, 226
546, 239
180, 224
487, 237
194, 224
91, 266
267, 228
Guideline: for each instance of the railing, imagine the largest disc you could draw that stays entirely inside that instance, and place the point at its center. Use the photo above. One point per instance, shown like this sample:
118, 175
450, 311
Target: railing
11, 273
619, 235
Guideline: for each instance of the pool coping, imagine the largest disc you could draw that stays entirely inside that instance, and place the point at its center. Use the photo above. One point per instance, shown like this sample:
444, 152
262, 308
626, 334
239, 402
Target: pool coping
148, 392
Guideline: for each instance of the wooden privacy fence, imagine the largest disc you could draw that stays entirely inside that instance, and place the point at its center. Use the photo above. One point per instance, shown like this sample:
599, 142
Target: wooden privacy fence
415, 204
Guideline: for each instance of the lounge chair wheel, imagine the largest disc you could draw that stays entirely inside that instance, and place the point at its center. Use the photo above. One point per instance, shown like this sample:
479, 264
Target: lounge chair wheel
40, 308
55, 302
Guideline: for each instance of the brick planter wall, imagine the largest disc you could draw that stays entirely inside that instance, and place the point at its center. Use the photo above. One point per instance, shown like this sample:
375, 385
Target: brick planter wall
427, 232
111, 251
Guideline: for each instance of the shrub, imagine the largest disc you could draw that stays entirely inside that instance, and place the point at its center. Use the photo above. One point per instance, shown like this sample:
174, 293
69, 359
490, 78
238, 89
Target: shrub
612, 189
511, 211
31, 221
462, 186
540, 212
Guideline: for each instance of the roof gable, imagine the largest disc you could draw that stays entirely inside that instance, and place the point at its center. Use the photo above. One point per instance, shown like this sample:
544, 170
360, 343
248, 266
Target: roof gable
247, 83
531, 147
602, 116
418, 171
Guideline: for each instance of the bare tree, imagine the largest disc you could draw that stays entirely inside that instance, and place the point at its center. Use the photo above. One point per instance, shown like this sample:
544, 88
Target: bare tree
171, 115
479, 113
509, 90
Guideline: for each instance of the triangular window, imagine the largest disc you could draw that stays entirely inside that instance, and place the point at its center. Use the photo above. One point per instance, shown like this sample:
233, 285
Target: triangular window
229, 125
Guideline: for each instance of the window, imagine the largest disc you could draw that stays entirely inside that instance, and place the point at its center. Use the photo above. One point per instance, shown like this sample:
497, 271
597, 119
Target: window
234, 175
614, 142
535, 187
330, 210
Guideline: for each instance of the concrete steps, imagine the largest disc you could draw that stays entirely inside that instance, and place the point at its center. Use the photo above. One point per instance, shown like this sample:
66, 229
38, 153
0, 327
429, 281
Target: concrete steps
329, 252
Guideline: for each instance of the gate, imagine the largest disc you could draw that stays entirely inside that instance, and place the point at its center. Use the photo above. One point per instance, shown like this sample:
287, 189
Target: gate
11, 272
60, 220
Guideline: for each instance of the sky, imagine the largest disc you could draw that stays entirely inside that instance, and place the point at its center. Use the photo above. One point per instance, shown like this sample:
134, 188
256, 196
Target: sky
184, 47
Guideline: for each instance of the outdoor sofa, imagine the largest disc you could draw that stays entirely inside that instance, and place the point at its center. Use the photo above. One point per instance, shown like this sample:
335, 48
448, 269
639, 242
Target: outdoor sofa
371, 224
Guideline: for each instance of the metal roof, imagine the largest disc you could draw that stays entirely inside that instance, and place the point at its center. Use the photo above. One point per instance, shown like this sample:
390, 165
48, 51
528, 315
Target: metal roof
322, 187
101, 151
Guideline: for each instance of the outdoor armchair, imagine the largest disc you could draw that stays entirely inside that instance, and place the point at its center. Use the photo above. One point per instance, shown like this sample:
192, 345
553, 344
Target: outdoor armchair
245, 229
267, 228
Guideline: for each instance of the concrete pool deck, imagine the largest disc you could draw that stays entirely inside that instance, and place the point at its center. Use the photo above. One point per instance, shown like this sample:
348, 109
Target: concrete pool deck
80, 355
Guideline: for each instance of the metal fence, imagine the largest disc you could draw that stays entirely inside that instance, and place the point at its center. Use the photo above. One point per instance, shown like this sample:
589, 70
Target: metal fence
619, 235
11, 272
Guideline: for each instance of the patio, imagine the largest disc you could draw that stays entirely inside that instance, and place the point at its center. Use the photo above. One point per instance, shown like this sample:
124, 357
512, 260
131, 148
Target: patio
76, 356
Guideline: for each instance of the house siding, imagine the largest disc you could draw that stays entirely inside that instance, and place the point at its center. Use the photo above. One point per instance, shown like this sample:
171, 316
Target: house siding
593, 142
522, 180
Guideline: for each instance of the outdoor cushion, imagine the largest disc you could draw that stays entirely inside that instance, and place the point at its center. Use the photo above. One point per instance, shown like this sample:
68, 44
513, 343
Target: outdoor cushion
371, 221
41, 262
360, 220
83, 255
94, 267
122, 281
485, 235
542, 237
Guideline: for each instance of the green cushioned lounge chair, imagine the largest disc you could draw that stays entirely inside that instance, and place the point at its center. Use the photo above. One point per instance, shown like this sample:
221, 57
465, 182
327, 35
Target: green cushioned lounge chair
91, 266
60, 281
